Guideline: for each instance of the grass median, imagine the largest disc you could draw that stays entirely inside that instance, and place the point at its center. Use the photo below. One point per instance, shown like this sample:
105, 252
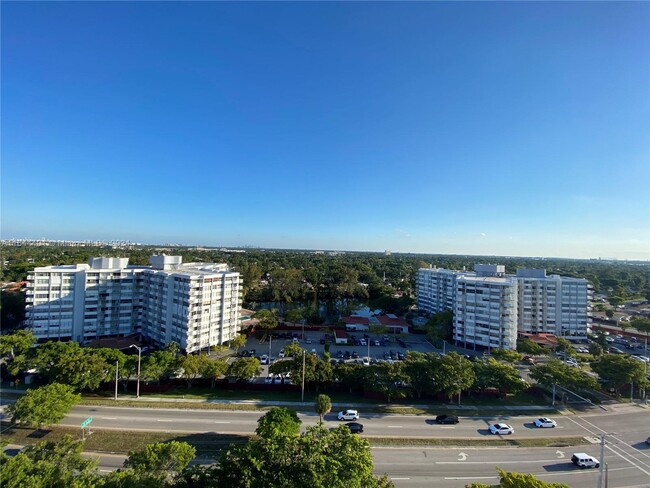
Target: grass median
210, 444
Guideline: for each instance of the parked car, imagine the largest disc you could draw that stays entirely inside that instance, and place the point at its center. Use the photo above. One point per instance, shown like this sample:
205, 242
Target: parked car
281, 353
348, 415
355, 427
501, 429
347, 355
583, 460
308, 341
377, 343
268, 379
365, 361
355, 355
544, 422
339, 354
400, 355
264, 359
447, 419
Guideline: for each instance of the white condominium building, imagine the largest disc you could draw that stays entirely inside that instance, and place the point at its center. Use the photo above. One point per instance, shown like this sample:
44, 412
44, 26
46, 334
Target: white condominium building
490, 303
194, 304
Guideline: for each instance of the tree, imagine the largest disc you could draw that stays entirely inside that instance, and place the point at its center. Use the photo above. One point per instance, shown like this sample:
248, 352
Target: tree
315, 458
192, 365
609, 313
418, 367
294, 315
70, 364
44, 406
557, 372
267, 319
617, 370
278, 422
384, 378
214, 369
293, 349
527, 346
238, 342
160, 365
17, 343
595, 349
317, 371
349, 374
161, 457
510, 479
453, 374
490, 373
50, 465
322, 406
506, 355
245, 368
439, 326
565, 347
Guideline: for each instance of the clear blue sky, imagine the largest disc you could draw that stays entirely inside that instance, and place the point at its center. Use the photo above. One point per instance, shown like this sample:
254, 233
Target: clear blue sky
479, 128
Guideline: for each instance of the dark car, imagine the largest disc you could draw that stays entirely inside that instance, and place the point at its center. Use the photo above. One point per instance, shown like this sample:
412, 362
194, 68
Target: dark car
339, 355
355, 354
447, 419
347, 355
355, 427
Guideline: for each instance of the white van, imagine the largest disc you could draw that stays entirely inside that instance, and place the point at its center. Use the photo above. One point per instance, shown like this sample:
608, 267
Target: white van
583, 460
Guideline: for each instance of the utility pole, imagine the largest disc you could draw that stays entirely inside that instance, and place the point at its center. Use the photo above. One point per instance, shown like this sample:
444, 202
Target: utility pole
139, 357
117, 368
302, 398
602, 459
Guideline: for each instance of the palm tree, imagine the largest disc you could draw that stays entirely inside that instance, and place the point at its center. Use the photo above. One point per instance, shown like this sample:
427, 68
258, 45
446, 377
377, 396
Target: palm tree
323, 406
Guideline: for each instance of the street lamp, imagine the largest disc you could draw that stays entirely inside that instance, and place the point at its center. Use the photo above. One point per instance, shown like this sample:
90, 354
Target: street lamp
302, 398
139, 357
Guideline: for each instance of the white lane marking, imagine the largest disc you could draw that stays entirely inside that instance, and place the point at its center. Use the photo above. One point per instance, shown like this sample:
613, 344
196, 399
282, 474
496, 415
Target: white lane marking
105, 471
108, 418
394, 426
448, 427
462, 456
473, 478
163, 420
620, 441
499, 462
400, 478
612, 447
222, 422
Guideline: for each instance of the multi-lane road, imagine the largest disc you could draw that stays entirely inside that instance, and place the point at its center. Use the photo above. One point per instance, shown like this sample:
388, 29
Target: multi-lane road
626, 454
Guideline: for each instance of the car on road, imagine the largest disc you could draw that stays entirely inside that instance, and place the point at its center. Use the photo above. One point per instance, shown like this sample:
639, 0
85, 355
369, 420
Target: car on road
544, 422
447, 419
647, 441
355, 427
501, 429
349, 415
583, 460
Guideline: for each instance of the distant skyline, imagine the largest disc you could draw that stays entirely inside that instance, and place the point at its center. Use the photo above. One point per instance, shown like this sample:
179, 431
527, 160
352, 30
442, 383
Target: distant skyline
515, 129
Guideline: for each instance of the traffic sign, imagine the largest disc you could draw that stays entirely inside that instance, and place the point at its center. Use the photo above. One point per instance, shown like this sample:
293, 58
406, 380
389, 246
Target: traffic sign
86, 422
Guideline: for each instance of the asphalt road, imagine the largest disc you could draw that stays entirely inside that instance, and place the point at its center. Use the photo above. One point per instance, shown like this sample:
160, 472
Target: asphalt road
626, 455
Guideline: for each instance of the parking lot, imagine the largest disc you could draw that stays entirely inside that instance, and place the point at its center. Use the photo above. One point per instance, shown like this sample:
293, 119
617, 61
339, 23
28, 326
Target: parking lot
374, 347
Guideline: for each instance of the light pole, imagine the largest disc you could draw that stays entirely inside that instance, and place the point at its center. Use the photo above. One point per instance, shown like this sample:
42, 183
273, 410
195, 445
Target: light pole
302, 399
602, 458
117, 368
137, 394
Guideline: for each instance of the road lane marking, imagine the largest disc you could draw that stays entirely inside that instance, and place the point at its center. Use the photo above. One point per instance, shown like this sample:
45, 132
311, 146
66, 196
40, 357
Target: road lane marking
222, 422
448, 427
499, 462
472, 478
394, 426
108, 418
163, 420
400, 479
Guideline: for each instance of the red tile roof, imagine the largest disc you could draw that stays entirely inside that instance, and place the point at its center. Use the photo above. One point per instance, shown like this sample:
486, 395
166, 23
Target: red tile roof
385, 320
355, 319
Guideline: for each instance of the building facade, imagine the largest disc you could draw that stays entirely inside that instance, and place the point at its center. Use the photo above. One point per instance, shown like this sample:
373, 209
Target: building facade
490, 307
194, 304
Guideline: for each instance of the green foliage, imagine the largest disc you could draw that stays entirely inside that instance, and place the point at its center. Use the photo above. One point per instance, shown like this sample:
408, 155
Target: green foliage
17, 343
419, 369
245, 368
511, 479
213, 369
318, 458
609, 313
617, 370
526, 346
439, 326
642, 324
70, 364
267, 319
322, 406
384, 378
192, 365
161, 457
596, 349
160, 365
292, 349
50, 465
557, 372
278, 422
490, 373
238, 342
44, 406
12, 309
506, 355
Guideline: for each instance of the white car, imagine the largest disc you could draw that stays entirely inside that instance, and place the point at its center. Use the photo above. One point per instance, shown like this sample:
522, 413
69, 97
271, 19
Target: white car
281, 353
544, 422
264, 359
268, 379
501, 429
349, 415
366, 361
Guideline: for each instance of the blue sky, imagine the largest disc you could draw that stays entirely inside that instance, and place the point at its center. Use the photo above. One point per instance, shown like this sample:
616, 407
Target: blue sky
466, 128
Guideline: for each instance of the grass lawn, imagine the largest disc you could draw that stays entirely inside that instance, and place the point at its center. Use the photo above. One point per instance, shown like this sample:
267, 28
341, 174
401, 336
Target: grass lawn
117, 441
